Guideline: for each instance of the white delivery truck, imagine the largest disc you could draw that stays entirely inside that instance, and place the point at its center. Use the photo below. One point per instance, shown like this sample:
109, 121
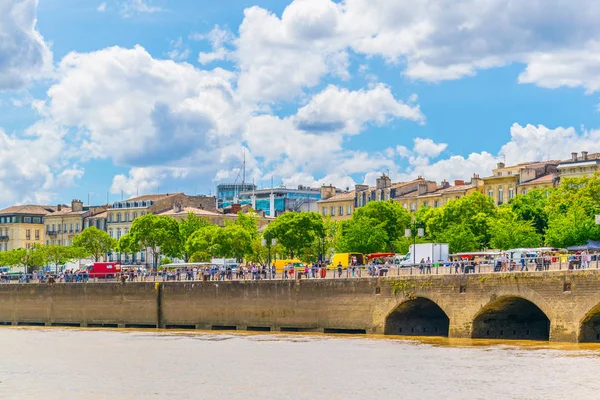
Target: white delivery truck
437, 253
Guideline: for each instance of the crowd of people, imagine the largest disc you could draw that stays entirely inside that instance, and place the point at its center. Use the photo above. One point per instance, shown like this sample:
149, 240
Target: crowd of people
318, 270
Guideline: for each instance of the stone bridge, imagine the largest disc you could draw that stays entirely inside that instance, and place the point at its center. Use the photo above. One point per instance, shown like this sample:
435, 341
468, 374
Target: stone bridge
556, 306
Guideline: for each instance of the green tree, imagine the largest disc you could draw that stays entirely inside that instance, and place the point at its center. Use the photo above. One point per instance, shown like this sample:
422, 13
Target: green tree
571, 209
507, 231
393, 217
28, 259
459, 238
573, 227
94, 243
234, 241
532, 207
362, 235
187, 227
298, 232
160, 234
60, 255
469, 213
204, 244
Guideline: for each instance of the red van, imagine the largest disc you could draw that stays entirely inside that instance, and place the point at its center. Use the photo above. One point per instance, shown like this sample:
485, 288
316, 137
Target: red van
104, 269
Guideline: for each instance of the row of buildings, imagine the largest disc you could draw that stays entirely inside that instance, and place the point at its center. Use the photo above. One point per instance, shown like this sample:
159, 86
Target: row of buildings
503, 184
25, 226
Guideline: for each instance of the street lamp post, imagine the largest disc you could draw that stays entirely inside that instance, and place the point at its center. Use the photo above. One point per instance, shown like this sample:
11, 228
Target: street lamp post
269, 242
414, 230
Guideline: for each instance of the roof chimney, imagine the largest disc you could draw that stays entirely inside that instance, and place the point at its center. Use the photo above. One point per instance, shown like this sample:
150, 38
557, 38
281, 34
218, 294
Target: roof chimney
584, 155
500, 165
59, 207
459, 182
573, 156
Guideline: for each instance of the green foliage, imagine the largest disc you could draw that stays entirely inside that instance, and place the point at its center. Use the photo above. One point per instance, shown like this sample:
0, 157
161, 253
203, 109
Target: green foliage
160, 234
389, 215
466, 217
532, 207
362, 235
459, 238
299, 233
204, 244
60, 255
507, 231
187, 227
94, 243
571, 210
24, 258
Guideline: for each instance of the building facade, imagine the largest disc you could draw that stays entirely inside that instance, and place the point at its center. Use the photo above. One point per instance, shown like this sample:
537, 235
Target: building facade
276, 201
440, 195
337, 206
506, 182
23, 226
229, 193
67, 222
579, 166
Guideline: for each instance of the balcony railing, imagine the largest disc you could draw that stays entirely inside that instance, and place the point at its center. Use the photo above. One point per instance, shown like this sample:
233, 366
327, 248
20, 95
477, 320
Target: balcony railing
51, 233
4, 238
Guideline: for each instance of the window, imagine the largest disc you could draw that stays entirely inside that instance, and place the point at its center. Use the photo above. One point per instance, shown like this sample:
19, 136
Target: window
324, 211
77, 227
491, 193
436, 204
119, 217
412, 206
500, 196
332, 211
110, 233
511, 193
118, 234
28, 234
65, 228
110, 218
126, 217
37, 234
349, 210
47, 228
27, 220
425, 204
59, 242
71, 230
47, 242
134, 215
53, 228
341, 210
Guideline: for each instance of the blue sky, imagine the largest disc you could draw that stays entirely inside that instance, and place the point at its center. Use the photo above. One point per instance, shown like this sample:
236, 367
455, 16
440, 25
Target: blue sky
122, 97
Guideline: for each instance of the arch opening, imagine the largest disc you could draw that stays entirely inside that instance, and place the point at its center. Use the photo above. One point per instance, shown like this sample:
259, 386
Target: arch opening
589, 331
418, 317
512, 318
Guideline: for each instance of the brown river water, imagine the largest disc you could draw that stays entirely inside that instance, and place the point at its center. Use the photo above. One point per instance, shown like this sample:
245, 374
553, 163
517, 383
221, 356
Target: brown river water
49, 363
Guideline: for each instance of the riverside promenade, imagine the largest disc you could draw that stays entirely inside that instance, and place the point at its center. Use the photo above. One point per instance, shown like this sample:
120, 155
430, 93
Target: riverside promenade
561, 306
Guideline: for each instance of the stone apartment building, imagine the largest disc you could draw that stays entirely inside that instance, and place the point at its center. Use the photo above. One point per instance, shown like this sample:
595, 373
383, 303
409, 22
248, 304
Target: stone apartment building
429, 194
66, 222
578, 166
506, 182
23, 226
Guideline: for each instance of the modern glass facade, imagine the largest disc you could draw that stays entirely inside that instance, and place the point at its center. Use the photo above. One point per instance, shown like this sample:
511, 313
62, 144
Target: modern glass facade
226, 192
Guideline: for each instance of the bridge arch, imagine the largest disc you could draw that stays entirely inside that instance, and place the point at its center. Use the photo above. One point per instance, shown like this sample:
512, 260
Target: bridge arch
589, 326
417, 317
511, 317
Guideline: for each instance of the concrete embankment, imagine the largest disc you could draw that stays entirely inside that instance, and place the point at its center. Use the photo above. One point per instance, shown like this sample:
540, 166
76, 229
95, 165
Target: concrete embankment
557, 306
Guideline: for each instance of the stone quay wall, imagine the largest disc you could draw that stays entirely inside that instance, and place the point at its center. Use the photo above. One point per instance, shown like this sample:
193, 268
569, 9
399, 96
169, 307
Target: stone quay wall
558, 306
